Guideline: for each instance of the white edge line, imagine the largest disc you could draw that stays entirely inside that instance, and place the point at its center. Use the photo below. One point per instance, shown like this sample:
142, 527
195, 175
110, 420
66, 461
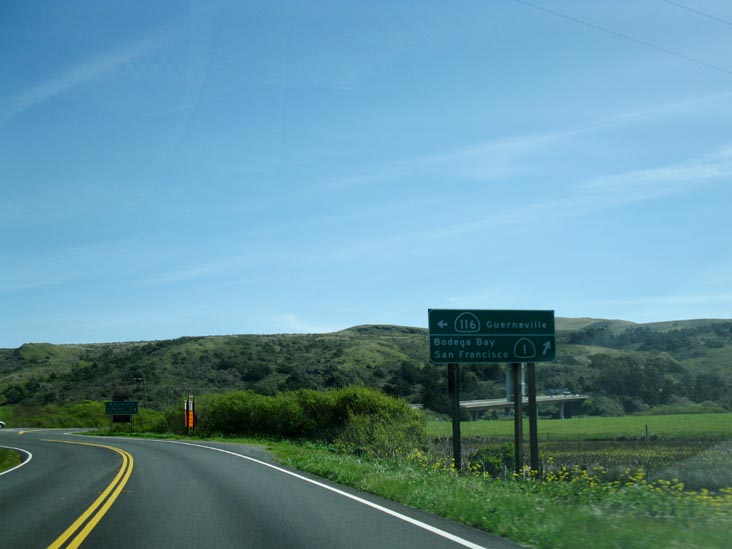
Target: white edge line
30, 457
386, 510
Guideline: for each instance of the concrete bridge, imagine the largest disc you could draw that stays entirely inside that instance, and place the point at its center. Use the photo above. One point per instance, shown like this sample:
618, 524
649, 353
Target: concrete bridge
502, 403
476, 406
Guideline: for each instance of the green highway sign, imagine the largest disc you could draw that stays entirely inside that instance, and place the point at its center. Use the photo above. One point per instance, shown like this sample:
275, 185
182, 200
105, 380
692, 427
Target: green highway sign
121, 408
459, 336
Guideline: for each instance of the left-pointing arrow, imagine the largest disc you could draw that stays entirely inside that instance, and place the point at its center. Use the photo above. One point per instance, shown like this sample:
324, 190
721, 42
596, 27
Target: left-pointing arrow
441, 324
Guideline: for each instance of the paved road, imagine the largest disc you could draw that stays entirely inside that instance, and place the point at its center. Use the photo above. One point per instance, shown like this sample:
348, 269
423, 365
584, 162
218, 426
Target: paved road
183, 495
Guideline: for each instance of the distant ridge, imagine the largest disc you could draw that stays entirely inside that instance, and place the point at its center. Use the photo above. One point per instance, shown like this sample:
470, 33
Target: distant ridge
565, 324
384, 329
568, 324
624, 366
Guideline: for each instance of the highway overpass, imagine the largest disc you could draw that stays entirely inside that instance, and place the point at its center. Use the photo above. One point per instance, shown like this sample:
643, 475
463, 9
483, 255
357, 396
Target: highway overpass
502, 403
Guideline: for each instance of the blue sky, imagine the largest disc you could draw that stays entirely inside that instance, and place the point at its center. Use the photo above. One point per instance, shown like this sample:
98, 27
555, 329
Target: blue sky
199, 168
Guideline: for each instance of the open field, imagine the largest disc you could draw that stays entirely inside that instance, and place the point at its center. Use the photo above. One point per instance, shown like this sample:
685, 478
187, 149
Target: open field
687, 426
695, 449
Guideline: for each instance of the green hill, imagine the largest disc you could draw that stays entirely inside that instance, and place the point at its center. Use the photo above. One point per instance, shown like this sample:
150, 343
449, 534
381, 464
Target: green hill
623, 366
574, 324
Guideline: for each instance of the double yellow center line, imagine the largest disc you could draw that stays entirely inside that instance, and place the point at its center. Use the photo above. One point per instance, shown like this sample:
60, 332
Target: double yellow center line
82, 527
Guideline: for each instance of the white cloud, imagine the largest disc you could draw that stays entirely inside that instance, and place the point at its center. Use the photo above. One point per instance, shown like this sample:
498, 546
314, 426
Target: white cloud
292, 323
489, 160
664, 180
506, 158
583, 199
614, 191
71, 77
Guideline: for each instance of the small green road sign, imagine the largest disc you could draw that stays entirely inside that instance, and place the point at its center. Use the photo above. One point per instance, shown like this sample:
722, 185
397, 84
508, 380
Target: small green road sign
121, 408
459, 336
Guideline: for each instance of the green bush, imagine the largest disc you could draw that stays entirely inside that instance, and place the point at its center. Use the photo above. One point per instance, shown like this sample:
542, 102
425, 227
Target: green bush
685, 406
497, 461
320, 418
602, 406
358, 419
378, 424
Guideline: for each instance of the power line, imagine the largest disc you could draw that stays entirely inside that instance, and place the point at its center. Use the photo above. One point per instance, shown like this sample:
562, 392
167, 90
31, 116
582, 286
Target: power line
625, 37
707, 15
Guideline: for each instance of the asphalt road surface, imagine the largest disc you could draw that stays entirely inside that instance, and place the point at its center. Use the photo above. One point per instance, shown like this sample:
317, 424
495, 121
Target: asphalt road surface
133, 493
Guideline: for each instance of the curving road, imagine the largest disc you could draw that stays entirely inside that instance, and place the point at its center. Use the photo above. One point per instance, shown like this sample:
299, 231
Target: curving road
135, 493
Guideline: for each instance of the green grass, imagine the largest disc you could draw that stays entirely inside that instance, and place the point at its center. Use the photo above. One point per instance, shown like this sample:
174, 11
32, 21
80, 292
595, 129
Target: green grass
558, 514
82, 414
6, 414
699, 464
684, 426
8, 459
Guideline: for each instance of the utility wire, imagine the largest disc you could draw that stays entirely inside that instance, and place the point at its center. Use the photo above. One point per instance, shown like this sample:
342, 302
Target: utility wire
692, 10
625, 37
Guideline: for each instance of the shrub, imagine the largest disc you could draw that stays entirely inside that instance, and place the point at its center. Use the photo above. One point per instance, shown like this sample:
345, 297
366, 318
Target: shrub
379, 425
358, 419
600, 405
320, 420
497, 461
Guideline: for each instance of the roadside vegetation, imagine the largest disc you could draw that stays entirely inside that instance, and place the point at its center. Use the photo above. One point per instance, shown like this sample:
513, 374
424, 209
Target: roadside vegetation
355, 419
86, 413
568, 509
8, 459
619, 485
592, 492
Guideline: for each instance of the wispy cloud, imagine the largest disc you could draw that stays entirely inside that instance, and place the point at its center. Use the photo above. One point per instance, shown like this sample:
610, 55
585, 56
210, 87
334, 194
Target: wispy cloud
505, 158
582, 199
184, 274
618, 190
71, 264
71, 77
664, 180
488, 160
291, 322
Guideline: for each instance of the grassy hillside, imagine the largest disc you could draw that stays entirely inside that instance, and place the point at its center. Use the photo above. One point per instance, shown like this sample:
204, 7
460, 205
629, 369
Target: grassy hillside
43, 373
625, 367
575, 324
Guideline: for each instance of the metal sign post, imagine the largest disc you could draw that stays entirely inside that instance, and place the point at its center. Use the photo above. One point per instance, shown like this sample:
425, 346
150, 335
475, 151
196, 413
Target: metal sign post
518, 419
453, 384
533, 419
189, 414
